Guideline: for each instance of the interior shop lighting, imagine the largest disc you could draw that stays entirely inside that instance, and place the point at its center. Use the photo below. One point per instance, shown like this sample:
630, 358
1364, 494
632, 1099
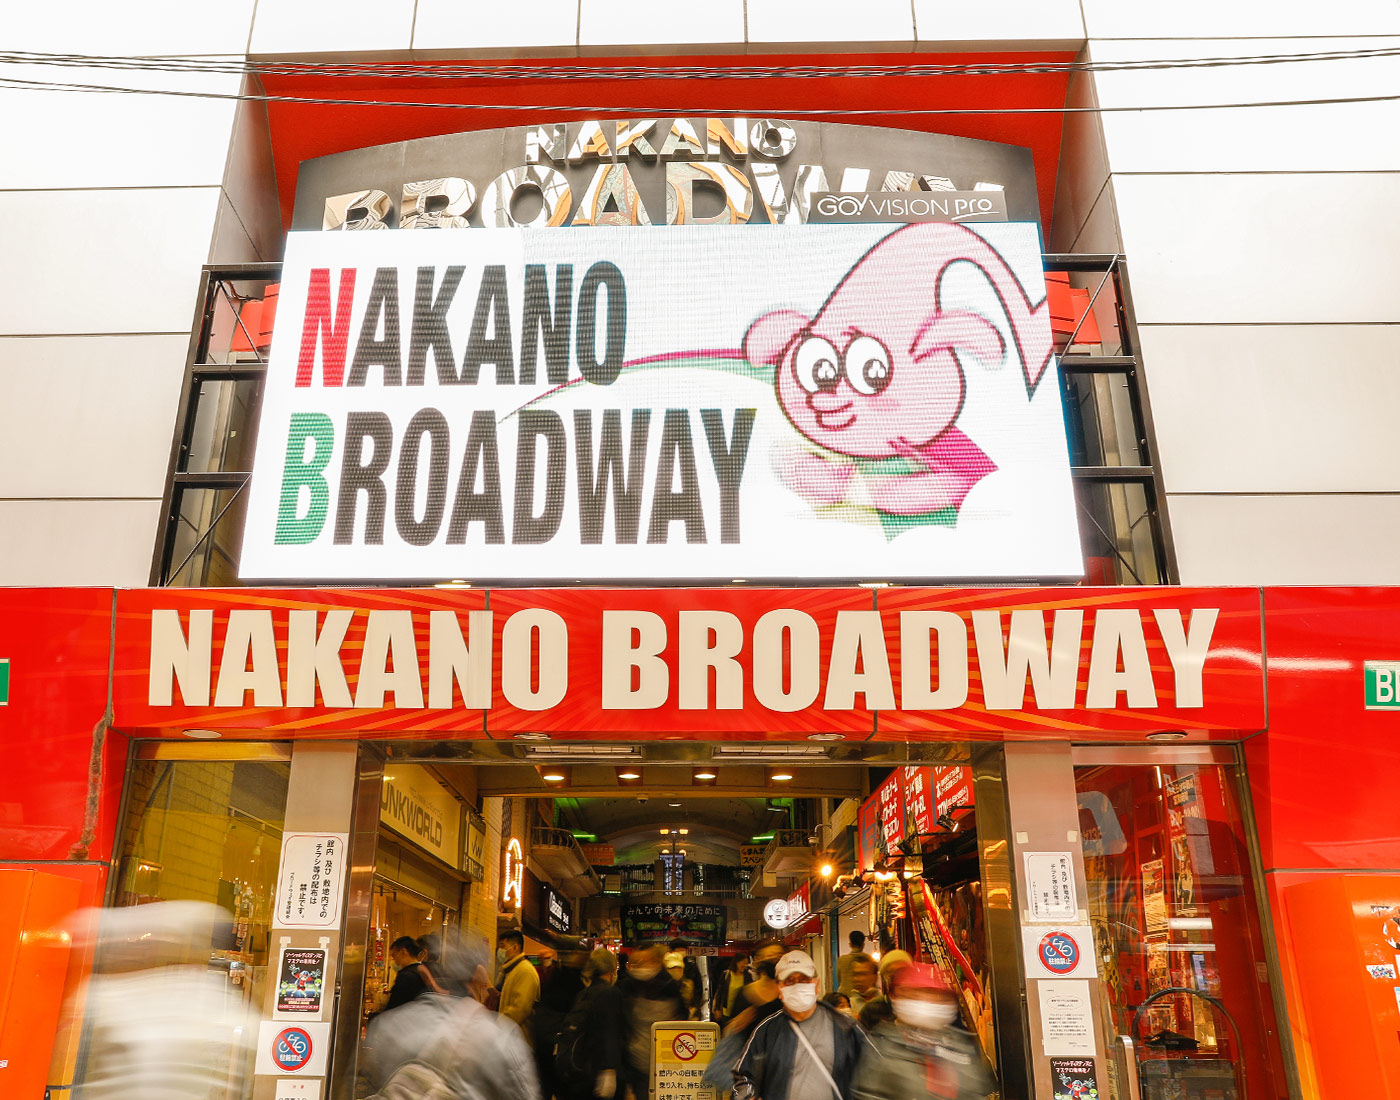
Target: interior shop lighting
554, 773
948, 822
629, 776
704, 776
826, 869
683, 832
779, 775
674, 805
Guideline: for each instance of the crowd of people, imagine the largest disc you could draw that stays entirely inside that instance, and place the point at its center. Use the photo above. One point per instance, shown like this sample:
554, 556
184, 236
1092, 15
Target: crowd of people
580, 1027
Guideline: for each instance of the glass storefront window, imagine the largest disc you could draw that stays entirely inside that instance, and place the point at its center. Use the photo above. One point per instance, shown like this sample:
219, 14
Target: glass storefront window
1177, 931
205, 832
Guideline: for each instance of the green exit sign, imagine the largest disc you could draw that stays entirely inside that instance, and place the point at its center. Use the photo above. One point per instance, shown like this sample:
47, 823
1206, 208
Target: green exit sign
1382, 685
4, 682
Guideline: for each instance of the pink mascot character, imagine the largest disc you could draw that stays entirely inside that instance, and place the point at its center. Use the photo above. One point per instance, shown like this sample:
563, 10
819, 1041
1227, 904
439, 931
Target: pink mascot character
875, 374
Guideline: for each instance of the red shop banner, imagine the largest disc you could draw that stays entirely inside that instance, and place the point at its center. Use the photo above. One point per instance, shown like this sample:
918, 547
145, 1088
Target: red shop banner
734, 663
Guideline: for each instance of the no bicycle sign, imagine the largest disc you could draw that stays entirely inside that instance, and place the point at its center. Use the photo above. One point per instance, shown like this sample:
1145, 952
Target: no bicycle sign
1058, 951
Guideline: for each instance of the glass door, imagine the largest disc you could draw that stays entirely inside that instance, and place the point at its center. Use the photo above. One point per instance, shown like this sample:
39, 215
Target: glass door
1176, 924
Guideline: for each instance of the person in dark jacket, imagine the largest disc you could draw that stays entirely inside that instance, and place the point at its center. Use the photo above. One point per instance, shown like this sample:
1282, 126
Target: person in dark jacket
808, 1051
413, 977
922, 1051
649, 996
560, 986
604, 1041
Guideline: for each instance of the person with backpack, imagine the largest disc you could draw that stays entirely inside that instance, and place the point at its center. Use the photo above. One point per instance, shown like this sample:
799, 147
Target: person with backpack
448, 1048
560, 987
589, 1049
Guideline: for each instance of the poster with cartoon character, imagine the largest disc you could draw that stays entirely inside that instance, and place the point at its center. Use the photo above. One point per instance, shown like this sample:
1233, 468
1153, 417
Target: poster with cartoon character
781, 402
301, 974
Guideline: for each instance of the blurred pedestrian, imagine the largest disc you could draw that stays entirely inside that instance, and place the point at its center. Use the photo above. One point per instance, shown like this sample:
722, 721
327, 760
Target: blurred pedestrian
519, 984
808, 1051
449, 1048
559, 990
161, 1024
865, 986
922, 1052
649, 996
845, 965
690, 992
839, 1001
589, 1058
725, 1004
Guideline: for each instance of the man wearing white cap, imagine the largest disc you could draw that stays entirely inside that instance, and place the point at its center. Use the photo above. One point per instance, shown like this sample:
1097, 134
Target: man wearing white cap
809, 1051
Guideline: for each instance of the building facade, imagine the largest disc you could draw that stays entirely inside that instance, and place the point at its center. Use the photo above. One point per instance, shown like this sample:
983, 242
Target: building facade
1228, 429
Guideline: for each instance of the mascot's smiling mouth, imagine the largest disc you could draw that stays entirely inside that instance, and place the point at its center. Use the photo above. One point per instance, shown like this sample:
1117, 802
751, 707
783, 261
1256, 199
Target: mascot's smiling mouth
833, 420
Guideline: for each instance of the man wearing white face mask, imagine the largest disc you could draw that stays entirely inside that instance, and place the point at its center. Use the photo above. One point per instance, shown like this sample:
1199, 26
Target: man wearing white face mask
922, 1051
808, 1051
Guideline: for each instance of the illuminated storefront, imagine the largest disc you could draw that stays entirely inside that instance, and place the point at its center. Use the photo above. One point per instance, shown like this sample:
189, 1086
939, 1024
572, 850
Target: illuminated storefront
697, 430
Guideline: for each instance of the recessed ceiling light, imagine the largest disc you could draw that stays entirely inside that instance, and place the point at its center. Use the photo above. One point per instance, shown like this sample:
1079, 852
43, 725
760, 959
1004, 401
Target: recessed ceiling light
673, 805
552, 775
204, 735
532, 735
780, 775
826, 737
452, 584
1167, 735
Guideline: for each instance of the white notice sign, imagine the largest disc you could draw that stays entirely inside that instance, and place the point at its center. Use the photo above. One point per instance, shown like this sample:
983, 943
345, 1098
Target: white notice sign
1050, 887
298, 1090
310, 880
1066, 1018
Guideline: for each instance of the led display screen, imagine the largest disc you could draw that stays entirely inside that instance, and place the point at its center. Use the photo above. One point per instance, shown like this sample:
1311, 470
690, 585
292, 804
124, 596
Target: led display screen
779, 403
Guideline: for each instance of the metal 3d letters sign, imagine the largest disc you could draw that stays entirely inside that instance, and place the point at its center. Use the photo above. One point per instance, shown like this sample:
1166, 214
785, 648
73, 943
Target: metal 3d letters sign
659, 171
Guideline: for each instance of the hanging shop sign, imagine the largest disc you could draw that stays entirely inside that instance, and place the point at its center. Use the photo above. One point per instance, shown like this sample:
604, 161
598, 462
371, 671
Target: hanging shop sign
919, 814
513, 875
751, 855
415, 805
726, 661
890, 798
599, 855
868, 848
556, 911
693, 925
664, 171
528, 405
952, 789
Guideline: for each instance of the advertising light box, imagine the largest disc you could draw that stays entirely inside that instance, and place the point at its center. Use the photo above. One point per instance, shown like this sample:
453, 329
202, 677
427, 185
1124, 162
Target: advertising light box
779, 403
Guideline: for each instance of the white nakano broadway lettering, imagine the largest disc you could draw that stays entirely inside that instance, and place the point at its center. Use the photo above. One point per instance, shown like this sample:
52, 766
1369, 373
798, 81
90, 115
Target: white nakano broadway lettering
1023, 662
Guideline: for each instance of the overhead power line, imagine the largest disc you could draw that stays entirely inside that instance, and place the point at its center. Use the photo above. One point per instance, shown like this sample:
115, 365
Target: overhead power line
582, 71
21, 84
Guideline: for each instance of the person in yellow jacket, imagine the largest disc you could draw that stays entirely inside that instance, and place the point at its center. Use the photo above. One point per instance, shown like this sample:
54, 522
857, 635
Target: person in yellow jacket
519, 984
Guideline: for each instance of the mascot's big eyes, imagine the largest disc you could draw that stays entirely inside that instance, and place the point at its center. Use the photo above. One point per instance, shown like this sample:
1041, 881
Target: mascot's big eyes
868, 365
817, 365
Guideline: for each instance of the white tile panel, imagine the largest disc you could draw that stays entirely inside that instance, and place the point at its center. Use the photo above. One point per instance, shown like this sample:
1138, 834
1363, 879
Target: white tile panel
89, 139
332, 26
1239, 18
1027, 24
1328, 538
1277, 408
714, 26
103, 261
1262, 249
88, 416
1338, 137
538, 26
871, 24
130, 28
74, 543
1098, 234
